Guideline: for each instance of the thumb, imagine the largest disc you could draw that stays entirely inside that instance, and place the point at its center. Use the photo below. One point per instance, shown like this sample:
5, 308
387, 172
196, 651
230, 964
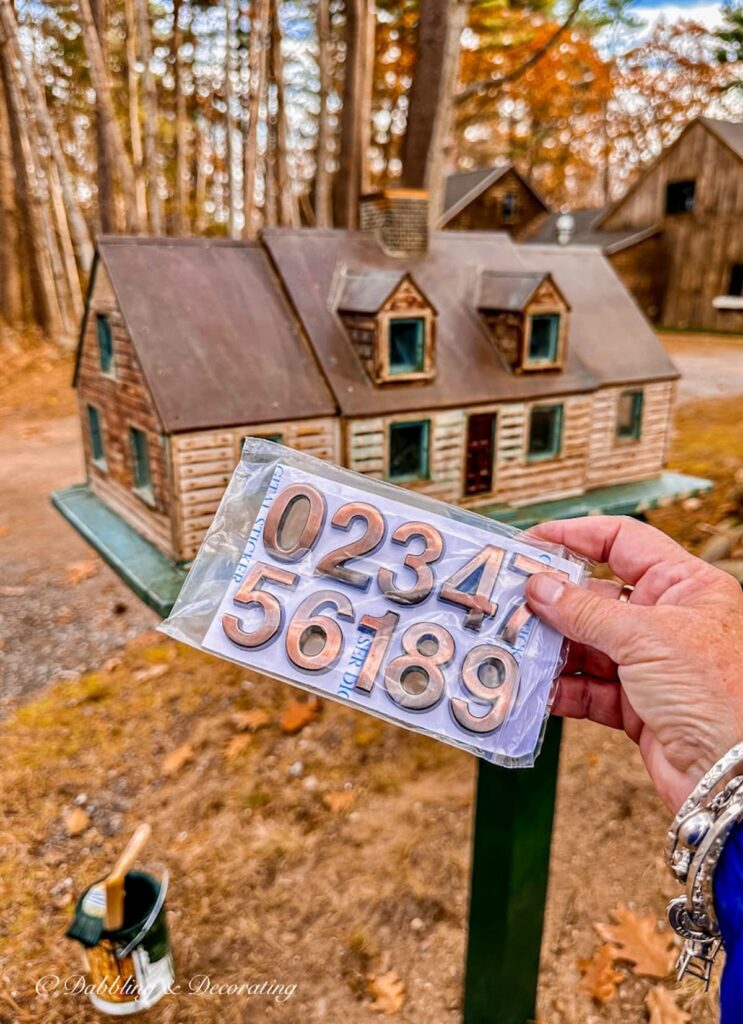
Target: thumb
606, 624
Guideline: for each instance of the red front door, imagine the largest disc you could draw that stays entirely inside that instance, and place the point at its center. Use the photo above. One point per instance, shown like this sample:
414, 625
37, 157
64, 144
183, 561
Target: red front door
480, 451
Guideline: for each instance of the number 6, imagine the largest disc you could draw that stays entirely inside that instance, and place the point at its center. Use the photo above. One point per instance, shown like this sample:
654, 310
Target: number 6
306, 623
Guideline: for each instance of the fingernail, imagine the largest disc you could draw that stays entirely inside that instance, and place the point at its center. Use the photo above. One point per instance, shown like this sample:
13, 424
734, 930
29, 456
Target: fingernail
546, 588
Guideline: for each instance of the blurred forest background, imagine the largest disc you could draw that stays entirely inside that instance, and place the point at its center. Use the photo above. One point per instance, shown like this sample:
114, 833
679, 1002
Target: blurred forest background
182, 117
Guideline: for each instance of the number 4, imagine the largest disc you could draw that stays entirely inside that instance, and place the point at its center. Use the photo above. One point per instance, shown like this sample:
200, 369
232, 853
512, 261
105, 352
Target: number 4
479, 573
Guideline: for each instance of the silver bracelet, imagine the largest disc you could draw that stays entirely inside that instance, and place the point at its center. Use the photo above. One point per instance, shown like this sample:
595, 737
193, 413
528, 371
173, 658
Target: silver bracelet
693, 847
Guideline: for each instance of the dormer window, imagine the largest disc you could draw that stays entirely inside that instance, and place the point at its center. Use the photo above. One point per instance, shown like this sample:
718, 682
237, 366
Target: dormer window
391, 324
407, 338
543, 336
527, 317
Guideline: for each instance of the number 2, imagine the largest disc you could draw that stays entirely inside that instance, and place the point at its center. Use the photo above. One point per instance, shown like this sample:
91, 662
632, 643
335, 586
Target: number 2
334, 563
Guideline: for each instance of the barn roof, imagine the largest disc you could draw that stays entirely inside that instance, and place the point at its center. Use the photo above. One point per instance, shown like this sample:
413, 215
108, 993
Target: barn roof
464, 187
729, 132
609, 339
588, 232
213, 333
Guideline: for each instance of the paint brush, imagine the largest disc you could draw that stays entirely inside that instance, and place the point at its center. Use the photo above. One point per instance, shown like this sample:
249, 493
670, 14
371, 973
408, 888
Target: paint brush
102, 907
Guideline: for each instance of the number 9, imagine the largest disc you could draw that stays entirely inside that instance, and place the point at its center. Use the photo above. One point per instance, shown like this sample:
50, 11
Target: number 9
500, 696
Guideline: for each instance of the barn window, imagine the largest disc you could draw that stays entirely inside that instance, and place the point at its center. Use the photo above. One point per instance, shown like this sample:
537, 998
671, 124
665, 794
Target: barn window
96, 437
629, 415
407, 345
736, 280
508, 207
409, 451
105, 343
140, 450
680, 196
545, 432
544, 334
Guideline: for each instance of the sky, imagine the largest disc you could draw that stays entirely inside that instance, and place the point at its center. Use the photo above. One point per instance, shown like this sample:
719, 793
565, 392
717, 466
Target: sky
708, 14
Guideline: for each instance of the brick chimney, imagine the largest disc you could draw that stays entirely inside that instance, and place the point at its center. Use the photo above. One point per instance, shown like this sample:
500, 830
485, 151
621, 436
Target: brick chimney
397, 219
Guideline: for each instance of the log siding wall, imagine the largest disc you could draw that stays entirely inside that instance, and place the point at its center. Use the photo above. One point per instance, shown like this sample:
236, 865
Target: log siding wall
486, 212
203, 462
613, 461
123, 401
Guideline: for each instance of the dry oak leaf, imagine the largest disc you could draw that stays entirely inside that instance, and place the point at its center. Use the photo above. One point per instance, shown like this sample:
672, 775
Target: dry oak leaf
77, 572
388, 990
600, 976
76, 821
176, 759
299, 713
252, 720
638, 940
237, 745
663, 1008
144, 675
340, 801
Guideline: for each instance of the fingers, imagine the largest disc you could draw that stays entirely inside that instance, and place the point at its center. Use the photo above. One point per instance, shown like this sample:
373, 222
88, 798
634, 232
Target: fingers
631, 548
587, 697
608, 625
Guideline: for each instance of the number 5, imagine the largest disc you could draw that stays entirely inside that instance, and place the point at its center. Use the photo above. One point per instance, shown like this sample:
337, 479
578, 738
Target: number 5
248, 593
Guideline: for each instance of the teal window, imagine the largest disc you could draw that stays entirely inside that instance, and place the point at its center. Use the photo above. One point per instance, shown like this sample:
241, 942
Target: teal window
105, 343
140, 462
96, 437
408, 451
629, 415
544, 334
407, 345
545, 432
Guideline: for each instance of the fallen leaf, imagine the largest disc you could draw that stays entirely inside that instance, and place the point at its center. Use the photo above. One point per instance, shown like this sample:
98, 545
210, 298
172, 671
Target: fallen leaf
12, 591
237, 745
110, 664
65, 615
252, 720
299, 713
76, 821
144, 675
638, 940
176, 759
600, 977
663, 1008
388, 991
340, 801
4, 531
2, 644
78, 572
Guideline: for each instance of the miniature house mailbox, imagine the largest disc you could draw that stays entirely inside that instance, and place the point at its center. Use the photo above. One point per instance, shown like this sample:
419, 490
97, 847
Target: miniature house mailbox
518, 380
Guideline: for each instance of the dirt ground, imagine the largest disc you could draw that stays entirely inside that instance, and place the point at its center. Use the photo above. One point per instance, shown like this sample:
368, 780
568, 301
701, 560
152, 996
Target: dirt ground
316, 859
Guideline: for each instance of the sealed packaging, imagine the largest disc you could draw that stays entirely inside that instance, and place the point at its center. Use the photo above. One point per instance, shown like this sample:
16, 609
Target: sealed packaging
378, 597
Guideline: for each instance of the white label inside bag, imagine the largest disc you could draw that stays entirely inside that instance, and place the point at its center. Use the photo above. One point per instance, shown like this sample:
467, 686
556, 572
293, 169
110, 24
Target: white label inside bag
395, 610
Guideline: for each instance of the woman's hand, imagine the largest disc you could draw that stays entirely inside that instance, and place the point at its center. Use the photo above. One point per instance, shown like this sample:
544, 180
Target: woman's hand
665, 667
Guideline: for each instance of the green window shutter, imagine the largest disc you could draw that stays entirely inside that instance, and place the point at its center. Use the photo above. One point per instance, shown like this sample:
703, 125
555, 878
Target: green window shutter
407, 345
140, 461
105, 343
545, 432
96, 436
409, 456
629, 415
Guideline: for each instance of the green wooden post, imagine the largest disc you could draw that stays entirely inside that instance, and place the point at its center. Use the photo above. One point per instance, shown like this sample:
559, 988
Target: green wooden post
510, 867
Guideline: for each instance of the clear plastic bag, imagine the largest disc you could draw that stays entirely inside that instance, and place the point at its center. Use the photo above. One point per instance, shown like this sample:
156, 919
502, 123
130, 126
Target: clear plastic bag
378, 597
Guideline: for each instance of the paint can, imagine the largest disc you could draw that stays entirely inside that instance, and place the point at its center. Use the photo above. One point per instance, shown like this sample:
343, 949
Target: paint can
132, 968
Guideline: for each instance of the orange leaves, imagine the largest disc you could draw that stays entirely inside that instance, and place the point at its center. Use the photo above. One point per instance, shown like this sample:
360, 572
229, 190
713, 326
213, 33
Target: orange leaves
340, 801
600, 977
637, 940
299, 713
250, 721
388, 992
78, 572
176, 759
76, 821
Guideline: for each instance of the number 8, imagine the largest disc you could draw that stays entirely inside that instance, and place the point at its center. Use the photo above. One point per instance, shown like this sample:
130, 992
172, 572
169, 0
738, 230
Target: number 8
429, 665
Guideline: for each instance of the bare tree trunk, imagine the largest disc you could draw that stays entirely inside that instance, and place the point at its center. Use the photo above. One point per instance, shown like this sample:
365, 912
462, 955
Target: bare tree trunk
135, 128
182, 217
99, 76
11, 290
77, 226
109, 214
149, 97
203, 150
69, 262
351, 177
258, 74
232, 155
287, 195
31, 202
323, 194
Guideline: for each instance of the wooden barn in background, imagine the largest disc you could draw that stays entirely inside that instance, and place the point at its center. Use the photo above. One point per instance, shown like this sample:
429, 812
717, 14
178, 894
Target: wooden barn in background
492, 199
518, 379
676, 236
